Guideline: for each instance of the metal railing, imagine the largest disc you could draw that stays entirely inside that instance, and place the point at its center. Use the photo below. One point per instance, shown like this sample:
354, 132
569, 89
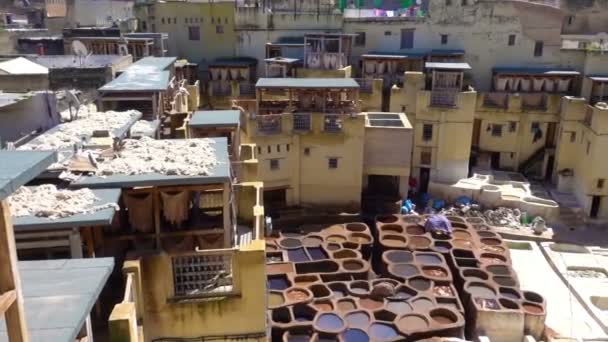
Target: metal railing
534, 101
302, 122
443, 98
332, 123
269, 123
499, 100
206, 273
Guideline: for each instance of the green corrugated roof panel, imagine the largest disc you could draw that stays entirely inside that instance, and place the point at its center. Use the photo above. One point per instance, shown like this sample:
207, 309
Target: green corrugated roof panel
323, 83
19, 167
215, 118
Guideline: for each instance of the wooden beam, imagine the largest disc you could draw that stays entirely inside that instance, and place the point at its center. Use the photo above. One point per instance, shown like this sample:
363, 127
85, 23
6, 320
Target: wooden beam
6, 300
9, 277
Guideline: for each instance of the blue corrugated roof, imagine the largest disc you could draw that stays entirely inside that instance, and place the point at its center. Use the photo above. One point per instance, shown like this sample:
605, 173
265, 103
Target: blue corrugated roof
98, 218
19, 167
147, 74
446, 52
59, 295
321, 83
447, 66
400, 54
526, 70
215, 118
234, 61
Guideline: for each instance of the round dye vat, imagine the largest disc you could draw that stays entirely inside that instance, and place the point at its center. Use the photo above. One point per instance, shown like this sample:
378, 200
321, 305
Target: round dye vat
411, 323
442, 246
474, 273
356, 227
382, 332
533, 297
403, 270
443, 316
533, 309
509, 293
346, 305
290, 243
490, 241
428, 259
387, 218
355, 335
391, 228
278, 283
275, 299
298, 338
419, 242
297, 295
411, 219
493, 249
329, 322
345, 254
352, 265
443, 291
505, 281
498, 270
393, 240
358, 319
359, 288
414, 230
508, 304
398, 256
333, 246
461, 243
336, 238
460, 234
435, 272
338, 293
370, 304
420, 284
312, 241
487, 234
399, 307
360, 238
323, 306
404, 293
493, 260
481, 291
422, 304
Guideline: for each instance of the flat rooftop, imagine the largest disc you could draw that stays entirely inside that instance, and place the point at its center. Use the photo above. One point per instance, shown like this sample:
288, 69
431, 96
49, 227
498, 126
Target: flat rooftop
7, 99
147, 74
68, 61
234, 61
387, 120
215, 118
20, 167
59, 295
447, 66
535, 71
310, 83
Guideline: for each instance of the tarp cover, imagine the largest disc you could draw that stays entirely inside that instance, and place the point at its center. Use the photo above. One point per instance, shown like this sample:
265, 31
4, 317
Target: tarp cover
438, 223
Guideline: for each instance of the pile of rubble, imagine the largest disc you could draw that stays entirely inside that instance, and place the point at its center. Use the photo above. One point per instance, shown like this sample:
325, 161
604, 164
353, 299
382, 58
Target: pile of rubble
499, 217
192, 157
48, 201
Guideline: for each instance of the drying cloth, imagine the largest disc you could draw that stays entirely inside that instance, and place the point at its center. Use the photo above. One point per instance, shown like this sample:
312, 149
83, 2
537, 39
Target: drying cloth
175, 207
438, 223
141, 211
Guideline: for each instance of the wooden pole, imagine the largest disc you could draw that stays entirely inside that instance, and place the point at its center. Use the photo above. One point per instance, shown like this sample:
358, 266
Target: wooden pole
9, 278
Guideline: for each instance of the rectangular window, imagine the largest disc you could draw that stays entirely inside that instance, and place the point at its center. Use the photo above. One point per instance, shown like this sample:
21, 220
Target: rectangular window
538, 49
287, 147
425, 157
427, 132
600, 183
535, 126
219, 29
306, 151
588, 147
388, 33
496, 130
332, 163
274, 164
512, 126
360, 39
570, 19
444, 39
194, 33
572, 137
278, 148
259, 150
407, 38
511, 39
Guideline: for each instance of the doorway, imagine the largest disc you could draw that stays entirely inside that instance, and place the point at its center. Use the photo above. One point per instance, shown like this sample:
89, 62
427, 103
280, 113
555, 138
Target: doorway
551, 130
274, 200
549, 170
476, 132
425, 176
387, 186
596, 202
495, 161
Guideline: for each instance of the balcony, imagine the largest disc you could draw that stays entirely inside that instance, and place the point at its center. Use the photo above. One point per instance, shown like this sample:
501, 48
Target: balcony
332, 123
534, 101
302, 122
443, 98
498, 100
269, 123
203, 274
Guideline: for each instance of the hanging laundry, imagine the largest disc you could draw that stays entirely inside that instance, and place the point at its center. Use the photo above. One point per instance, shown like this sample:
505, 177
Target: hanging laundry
175, 206
140, 208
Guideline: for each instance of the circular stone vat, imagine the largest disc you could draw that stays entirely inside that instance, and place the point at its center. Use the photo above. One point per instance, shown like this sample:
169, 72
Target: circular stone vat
461, 234
298, 295
360, 238
304, 280
428, 259
455, 219
346, 304
399, 307
338, 290
336, 238
356, 227
487, 234
387, 218
462, 244
352, 264
398, 256
534, 309
355, 335
382, 332
504, 281
290, 243
333, 246
329, 322
435, 272
411, 219
370, 304
498, 269
420, 284
403, 270
323, 305
359, 288
494, 249
533, 297
312, 241
474, 220
394, 241
443, 316
509, 304
320, 291
443, 291
271, 248
480, 290
422, 304
410, 323
275, 299
475, 274
419, 242
415, 230
404, 292
442, 246
303, 313
391, 228
490, 241
492, 258
357, 319
345, 254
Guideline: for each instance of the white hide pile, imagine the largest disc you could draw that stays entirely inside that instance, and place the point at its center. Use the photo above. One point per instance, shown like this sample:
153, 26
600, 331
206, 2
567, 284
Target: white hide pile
190, 157
143, 128
48, 201
67, 134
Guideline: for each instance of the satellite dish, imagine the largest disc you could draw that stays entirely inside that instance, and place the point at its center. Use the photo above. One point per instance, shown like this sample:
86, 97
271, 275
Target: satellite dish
79, 49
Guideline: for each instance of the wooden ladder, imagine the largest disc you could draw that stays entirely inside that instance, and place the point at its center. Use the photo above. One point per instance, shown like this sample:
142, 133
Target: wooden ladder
11, 298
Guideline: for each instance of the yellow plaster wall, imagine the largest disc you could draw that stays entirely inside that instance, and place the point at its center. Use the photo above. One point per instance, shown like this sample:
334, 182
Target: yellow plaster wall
345, 72
244, 314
